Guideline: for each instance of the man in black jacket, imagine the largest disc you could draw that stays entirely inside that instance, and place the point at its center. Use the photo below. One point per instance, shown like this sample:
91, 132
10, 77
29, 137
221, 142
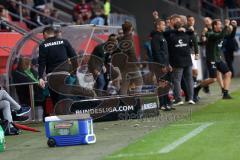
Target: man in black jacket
230, 45
98, 62
180, 60
160, 55
52, 53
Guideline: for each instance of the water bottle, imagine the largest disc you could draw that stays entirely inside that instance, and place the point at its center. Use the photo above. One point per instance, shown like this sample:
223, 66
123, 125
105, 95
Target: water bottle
2, 140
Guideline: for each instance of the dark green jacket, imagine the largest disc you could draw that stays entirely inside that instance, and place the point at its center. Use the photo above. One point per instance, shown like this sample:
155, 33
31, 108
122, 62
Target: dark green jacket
194, 41
214, 43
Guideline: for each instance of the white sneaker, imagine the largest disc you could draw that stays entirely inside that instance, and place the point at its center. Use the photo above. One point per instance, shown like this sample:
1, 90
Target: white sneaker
191, 102
177, 103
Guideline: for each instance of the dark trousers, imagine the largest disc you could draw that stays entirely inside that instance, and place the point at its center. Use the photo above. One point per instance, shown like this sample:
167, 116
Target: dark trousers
100, 84
56, 97
204, 68
229, 57
164, 99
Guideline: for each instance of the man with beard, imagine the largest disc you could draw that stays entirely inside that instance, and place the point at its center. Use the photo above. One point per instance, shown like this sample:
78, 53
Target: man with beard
180, 59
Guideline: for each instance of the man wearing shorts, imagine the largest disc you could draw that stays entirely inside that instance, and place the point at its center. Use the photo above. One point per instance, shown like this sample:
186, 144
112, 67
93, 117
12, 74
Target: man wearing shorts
215, 64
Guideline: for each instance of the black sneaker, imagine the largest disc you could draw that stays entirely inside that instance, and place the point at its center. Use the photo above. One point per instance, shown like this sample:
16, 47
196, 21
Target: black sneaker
12, 131
226, 96
23, 110
196, 90
21, 118
206, 90
196, 98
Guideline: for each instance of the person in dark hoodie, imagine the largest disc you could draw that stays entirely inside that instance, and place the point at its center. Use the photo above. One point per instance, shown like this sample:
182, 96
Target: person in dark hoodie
160, 55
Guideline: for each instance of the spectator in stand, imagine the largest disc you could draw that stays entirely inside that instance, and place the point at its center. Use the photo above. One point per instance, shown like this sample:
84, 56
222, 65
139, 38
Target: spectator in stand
4, 16
84, 9
98, 19
97, 6
107, 8
54, 13
13, 8
39, 3
45, 20
220, 3
98, 13
79, 20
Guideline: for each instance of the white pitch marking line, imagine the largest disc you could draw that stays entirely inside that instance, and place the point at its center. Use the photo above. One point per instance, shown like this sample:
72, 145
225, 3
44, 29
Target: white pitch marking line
134, 155
185, 124
185, 138
171, 146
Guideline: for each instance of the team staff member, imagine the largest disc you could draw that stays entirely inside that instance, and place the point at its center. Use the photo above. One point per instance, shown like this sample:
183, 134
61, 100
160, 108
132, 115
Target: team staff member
205, 83
53, 52
134, 76
180, 59
214, 61
194, 49
160, 55
97, 64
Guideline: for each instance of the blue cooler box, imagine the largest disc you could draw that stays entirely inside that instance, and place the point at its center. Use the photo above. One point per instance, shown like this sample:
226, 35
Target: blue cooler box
68, 130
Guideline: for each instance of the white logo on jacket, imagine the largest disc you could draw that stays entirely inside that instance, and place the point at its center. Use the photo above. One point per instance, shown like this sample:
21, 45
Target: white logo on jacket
53, 43
220, 44
181, 44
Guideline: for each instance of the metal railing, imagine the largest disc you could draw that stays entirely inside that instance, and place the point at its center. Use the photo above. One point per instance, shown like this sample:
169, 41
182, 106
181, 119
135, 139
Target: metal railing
66, 4
205, 8
233, 13
18, 29
13, 26
211, 10
31, 96
29, 8
5, 48
118, 19
22, 19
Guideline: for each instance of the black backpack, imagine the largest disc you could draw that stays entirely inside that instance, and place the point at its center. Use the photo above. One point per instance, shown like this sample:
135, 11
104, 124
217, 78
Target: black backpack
6, 128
